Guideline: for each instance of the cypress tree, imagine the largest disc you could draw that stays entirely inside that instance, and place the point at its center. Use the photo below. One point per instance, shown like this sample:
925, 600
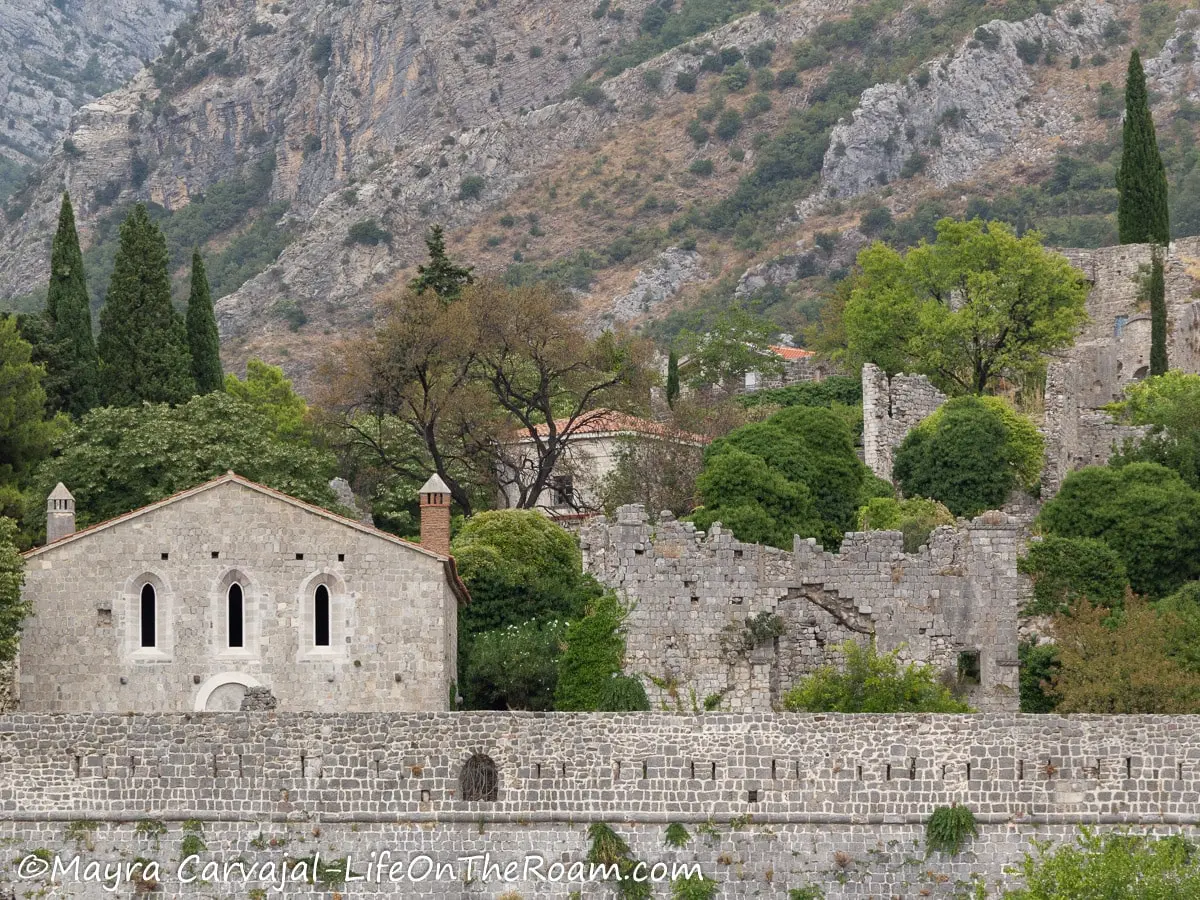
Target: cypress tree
672, 378
441, 276
143, 343
203, 341
73, 368
1142, 214
1158, 315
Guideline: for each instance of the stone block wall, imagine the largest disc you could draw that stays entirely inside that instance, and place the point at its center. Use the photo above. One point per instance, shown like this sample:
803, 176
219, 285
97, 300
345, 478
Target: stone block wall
771, 802
393, 613
891, 408
692, 594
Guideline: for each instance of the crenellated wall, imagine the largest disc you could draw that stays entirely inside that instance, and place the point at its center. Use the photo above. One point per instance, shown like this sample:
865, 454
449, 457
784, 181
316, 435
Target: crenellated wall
691, 594
772, 802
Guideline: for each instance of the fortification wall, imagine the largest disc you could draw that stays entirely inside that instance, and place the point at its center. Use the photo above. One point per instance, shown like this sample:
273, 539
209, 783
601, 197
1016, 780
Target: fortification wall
772, 802
692, 595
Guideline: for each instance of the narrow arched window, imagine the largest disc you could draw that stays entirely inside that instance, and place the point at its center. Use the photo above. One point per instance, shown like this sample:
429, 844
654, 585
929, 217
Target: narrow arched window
236, 613
321, 616
479, 779
149, 616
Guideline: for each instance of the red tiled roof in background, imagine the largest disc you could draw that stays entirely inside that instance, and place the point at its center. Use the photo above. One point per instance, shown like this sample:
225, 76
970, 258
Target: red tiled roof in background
791, 353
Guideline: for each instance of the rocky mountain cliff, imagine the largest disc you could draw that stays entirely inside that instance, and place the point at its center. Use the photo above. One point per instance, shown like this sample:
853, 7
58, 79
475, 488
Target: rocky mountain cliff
643, 182
57, 55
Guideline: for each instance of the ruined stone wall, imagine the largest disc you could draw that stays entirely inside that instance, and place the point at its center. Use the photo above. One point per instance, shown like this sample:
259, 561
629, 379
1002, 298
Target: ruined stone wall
1113, 351
771, 802
692, 595
891, 407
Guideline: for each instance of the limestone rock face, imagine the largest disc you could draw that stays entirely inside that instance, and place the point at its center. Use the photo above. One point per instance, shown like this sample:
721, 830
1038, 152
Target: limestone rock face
56, 55
373, 111
971, 107
660, 281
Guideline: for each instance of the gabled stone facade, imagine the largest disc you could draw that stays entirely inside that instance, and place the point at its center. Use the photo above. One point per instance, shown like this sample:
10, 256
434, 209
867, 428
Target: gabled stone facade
953, 604
229, 588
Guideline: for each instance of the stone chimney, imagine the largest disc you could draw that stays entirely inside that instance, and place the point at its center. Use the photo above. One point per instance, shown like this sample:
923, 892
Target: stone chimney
60, 514
435, 516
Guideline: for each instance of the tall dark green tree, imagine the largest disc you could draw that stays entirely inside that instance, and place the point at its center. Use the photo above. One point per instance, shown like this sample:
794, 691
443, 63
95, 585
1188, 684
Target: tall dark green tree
1142, 213
672, 378
441, 275
73, 367
143, 343
1158, 315
203, 341
1143, 216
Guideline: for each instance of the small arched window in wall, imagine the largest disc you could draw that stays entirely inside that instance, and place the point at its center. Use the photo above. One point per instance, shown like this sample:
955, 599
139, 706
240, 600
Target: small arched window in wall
479, 780
321, 616
149, 616
235, 610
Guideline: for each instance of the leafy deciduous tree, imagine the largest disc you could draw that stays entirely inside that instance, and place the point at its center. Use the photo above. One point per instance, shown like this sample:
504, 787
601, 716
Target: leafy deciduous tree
1170, 404
737, 343
25, 434
120, 458
13, 609
1121, 662
811, 451
977, 305
515, 667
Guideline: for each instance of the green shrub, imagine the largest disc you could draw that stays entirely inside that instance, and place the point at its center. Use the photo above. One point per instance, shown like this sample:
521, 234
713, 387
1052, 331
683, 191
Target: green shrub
652, 78
368, 232
728, 125
970, 454
1064, 569
623, 693
948, 829
1038, 663
915, 518
677, 836
1144, 512
872, 682
685, 82
592, 655
515, 667
471, 187
757, 105
1110, 864
702, 167
795, 473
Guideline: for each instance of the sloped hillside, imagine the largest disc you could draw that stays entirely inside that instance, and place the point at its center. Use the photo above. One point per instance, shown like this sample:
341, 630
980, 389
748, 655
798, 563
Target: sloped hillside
656, 161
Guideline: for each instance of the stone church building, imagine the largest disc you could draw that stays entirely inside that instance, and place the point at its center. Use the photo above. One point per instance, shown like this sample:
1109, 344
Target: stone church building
233, 591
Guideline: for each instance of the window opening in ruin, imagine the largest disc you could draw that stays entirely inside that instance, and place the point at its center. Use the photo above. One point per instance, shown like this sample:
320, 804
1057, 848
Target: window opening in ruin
1129, 767
858, 773
321, 616
341, 557
887, 776
562, 490
714, 772
1141, 373
479, 780
149, 629
166, 555
216, 554
753, 798
1020, 770
644, 770
968, 667
236, 616
299, 556
1119, 325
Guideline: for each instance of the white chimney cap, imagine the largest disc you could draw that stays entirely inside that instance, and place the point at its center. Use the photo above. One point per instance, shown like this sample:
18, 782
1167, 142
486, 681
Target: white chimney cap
60, 492
435, 485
